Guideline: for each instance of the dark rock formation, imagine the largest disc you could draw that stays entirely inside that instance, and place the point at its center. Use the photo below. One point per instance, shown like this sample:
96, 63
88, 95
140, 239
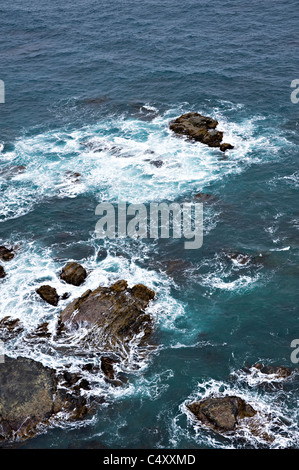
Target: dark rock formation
73, 273
225, 146
156, 163
48, 294
113, 316
199, 128
10, 328
107, 367
6, 254
221, 413
30, 397
279, 371
2, 272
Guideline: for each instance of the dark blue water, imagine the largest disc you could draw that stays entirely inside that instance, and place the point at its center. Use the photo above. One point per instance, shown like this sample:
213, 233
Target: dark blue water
115, 73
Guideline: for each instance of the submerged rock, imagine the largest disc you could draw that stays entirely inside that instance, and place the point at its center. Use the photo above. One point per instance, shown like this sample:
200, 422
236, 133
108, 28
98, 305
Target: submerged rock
221, 413
48, 294
6, 254
73, 273
199, 128
30, 397
112, 316
205, 197
238, 257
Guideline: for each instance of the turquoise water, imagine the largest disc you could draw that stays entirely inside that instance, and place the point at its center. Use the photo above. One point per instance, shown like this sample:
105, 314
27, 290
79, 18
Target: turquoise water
114, 74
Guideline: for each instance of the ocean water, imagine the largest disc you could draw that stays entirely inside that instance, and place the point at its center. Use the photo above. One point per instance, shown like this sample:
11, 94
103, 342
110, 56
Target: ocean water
90, 87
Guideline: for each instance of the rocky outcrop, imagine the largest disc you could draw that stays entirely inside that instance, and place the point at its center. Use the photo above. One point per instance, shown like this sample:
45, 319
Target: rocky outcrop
200, 128
73, 273
48, 294
6, 254
30, 397
112, 316
221, 413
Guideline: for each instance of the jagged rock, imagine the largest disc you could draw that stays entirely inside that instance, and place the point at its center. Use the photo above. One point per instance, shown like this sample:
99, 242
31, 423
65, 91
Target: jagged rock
73, 273
199, 128
30, 397
113, 316
221, 413
278, 371
107, 367
2, 272
48, 294
6, 254
10, 328
41, 331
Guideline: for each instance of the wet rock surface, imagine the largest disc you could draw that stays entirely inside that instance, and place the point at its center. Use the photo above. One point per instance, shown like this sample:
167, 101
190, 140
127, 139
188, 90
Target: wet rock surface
48, 294
113, 316
201, 129
6, 254
73, 273
10, 328
221, 413
30, 396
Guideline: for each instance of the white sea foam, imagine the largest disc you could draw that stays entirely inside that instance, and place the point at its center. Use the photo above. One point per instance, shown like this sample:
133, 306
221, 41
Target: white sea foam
114, 159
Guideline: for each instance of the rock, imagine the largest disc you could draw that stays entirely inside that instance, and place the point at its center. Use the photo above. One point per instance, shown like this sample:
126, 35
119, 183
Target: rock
107, 367
221, 413
11, 171
73, 176
10, 328
279, 371
48, 294
238, 257
30, 396
224, 146
6, 254
41, 331
2, 272
73, 273
157, 163
199, 128
113, 317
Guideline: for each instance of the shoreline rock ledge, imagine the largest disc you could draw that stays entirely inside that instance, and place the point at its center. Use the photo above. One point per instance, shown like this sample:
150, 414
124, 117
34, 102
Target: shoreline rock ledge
201, 129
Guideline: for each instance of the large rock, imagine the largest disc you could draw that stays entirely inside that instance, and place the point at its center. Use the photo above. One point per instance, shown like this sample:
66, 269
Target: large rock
199, 128
112, 316
48, 294
221, 413
73, 273
29, 397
